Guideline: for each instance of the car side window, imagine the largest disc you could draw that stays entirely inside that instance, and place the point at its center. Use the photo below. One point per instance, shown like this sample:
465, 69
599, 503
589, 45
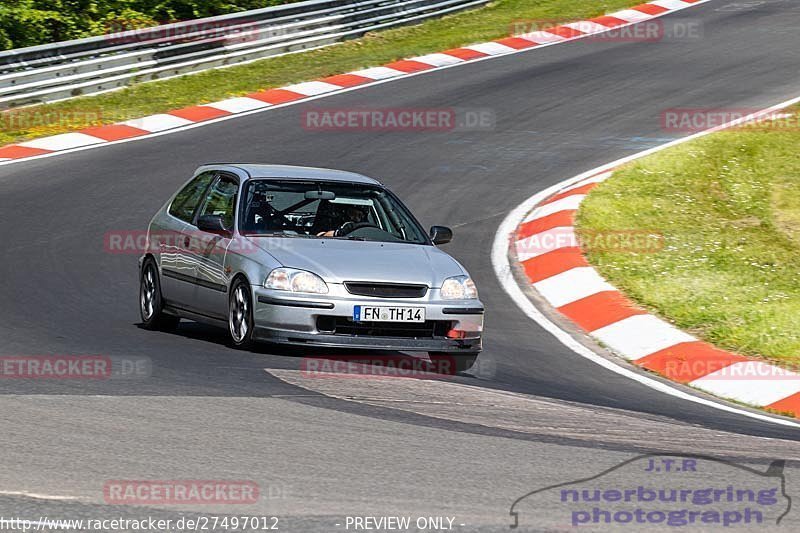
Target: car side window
221, 200
185, 203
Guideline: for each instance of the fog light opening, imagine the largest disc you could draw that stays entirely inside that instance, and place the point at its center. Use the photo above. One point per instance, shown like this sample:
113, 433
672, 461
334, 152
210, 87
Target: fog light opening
455, 333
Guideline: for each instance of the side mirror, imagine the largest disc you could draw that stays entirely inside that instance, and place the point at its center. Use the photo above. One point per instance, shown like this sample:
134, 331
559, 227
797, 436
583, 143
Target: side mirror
441, 234
212, 224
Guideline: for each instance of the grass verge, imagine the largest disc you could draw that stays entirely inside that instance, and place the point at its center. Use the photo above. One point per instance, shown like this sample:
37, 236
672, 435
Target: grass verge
729, 211
491, 22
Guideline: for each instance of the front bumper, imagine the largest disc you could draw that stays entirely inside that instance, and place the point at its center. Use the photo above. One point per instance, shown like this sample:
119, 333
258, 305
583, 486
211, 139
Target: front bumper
309, 320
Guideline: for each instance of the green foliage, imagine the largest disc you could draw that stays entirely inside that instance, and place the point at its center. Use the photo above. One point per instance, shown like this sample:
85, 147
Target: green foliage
31, 22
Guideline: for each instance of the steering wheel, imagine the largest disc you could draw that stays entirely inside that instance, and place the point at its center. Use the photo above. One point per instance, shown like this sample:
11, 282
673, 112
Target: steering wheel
349, 227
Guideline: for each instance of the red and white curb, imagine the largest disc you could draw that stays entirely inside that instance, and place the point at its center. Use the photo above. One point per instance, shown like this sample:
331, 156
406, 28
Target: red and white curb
540, 237
181, 119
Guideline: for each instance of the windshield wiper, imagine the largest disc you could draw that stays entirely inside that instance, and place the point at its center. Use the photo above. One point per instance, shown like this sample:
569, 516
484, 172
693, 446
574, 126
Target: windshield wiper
275, 234
349, 238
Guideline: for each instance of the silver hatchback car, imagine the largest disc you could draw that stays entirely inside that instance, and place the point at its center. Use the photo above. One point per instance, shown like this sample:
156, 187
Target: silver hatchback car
306, 256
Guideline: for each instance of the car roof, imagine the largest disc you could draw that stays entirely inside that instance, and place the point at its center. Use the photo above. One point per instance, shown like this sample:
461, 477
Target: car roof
259, 170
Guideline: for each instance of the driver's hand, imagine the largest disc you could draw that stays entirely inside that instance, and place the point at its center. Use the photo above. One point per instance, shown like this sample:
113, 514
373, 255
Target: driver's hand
326, 233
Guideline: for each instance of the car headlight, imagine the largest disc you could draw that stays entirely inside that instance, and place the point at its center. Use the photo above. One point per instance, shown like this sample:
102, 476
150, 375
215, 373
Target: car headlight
294, 280
459, 288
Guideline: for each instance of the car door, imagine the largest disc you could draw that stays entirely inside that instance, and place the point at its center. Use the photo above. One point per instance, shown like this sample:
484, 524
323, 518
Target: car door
208, 250
170, 238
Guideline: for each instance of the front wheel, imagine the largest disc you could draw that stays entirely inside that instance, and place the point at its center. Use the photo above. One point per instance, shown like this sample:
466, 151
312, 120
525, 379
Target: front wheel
452, 363
151, 304
240, 315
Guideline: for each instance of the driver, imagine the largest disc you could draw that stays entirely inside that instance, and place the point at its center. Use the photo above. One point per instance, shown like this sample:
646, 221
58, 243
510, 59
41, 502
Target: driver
350, 215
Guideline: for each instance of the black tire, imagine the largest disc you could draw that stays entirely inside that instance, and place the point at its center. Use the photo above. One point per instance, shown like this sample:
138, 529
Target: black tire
151, 303
452, 363
240, 315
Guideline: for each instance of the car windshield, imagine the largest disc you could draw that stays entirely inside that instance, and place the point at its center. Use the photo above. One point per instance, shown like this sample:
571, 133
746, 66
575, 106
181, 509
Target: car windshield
324, 209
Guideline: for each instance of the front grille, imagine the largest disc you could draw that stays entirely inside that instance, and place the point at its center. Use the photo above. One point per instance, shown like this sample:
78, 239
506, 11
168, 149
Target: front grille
421, 330
385, 290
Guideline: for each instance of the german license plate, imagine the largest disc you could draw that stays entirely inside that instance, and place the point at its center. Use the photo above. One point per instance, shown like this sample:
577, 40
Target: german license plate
365, 313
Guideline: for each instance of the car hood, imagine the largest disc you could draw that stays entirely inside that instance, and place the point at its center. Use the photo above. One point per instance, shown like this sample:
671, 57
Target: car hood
337, 260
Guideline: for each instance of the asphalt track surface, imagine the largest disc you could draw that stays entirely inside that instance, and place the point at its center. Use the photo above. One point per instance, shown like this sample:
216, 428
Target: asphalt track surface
458, 446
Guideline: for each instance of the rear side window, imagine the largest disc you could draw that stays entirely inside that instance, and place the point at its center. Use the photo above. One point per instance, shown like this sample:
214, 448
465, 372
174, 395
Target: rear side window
186, 202
221, 200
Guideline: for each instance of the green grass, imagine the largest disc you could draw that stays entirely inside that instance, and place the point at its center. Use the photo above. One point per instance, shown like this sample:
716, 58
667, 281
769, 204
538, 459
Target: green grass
491, 22
729, 209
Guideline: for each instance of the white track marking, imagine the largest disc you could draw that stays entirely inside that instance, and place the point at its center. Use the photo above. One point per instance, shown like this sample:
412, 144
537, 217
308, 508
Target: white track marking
437, 60
652, 335
631, 15
238, 105
546, 241
63, 141
157, 123
736, 381
37, 496
312, 88
671, 4
587, 26
542, 37
378, 73
493, 49
568, 203
572, 285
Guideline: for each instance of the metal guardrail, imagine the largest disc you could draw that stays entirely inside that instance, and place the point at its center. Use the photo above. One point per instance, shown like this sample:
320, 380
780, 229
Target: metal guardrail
97, 64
